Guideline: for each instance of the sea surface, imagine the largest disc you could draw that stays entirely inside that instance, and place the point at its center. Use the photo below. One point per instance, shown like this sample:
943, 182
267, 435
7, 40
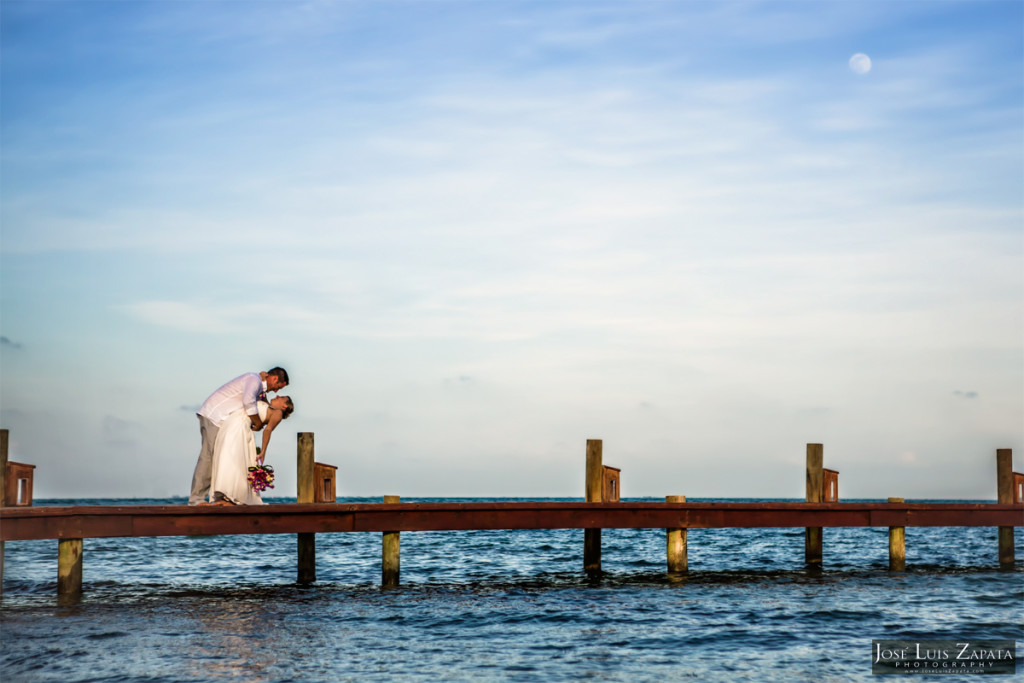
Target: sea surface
498, 606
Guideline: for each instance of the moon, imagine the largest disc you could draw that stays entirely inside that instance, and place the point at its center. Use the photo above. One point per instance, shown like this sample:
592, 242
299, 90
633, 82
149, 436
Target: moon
860, 64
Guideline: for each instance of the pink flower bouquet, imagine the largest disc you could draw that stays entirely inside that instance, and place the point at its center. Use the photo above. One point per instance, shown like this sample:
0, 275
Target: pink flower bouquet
261, 478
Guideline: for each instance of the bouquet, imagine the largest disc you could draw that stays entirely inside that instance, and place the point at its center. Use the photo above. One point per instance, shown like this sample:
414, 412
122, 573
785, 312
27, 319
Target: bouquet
261, 478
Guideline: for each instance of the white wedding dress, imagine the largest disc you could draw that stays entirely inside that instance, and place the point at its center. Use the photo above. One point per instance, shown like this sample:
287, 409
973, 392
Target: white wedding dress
234, 452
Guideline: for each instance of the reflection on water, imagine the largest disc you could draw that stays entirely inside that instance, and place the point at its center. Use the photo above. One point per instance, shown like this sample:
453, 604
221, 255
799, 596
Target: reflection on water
499, 605
230, 646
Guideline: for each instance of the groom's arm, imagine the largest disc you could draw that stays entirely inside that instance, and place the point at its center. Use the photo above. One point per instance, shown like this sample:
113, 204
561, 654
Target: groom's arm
251, 390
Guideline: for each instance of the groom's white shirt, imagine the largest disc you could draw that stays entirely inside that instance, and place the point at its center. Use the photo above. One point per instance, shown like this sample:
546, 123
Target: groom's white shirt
239, 392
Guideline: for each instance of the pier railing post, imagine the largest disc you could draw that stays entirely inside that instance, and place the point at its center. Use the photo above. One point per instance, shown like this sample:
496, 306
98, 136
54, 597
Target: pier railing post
676, 543
304, 469
69, 569
897, 545
391, 559
306, 493
593, 492
815, 483
1004, 494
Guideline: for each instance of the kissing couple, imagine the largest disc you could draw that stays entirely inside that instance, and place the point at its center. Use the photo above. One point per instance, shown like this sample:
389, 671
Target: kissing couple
227, 421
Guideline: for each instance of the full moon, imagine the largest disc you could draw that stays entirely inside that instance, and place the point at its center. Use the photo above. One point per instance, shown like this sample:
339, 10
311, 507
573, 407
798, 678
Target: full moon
860, 63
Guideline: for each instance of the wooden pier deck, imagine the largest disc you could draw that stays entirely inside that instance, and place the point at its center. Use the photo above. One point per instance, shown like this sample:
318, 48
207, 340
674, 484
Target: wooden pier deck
316, 512
101, 521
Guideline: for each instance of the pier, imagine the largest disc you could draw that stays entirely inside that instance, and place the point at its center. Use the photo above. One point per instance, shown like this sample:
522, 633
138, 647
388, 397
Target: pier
316, 513
101, 521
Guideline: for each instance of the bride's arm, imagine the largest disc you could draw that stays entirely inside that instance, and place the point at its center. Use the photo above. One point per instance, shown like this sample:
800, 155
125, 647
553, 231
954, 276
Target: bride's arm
274, 418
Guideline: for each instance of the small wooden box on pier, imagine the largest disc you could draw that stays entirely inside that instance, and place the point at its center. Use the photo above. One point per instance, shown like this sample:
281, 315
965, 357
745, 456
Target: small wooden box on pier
830, 486
610, 484
325, 488
18, 484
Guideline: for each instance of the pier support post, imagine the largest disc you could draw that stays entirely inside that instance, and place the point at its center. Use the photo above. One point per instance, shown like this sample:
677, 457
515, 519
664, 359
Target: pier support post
594, 494
1004, 494
676, 543
815, 483
307, 558
306, 492
304, 469
69, 568
897, 545
391, 558
3, 494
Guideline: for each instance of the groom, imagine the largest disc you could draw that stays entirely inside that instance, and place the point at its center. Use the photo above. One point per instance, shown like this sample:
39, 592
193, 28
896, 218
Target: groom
241, 392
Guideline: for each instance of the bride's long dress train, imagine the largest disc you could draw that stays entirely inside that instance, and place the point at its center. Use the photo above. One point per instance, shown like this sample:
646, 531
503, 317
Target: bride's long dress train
234, 452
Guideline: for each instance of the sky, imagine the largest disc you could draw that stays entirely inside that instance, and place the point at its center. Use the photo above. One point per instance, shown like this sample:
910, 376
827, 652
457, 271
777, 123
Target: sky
477, 234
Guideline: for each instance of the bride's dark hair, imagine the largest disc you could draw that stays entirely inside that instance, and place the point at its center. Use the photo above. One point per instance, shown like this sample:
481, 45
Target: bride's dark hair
289, 410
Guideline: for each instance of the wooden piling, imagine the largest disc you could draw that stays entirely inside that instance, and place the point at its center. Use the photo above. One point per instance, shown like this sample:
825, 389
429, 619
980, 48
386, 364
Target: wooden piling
1004, 494
593, 492
306, 494
69, 568
3, 467
306, 557
897, 545
304, 469
815, 484
676, 543
3, 491
391, 558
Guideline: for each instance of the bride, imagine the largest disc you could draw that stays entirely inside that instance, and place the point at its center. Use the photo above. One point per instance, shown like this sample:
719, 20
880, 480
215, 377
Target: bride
234, 452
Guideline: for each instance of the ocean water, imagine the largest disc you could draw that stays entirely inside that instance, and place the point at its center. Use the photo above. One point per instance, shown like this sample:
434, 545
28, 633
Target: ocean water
498, 605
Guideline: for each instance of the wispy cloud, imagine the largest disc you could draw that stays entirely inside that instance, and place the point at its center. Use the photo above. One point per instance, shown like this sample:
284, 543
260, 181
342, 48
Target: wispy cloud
220, 319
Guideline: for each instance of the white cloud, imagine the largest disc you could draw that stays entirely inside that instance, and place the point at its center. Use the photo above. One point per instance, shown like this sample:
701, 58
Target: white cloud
220, 319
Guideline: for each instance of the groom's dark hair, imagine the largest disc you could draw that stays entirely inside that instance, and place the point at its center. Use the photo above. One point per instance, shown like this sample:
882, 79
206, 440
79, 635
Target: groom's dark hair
280, 374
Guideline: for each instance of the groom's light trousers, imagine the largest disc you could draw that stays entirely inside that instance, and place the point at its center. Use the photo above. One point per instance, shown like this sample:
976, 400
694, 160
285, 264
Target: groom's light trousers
201, 477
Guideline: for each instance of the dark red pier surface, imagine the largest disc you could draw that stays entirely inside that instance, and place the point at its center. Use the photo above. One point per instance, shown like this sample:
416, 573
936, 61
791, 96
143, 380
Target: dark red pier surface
98, 521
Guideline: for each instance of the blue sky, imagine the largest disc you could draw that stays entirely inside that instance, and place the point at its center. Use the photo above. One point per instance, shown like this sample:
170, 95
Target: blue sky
478, 234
